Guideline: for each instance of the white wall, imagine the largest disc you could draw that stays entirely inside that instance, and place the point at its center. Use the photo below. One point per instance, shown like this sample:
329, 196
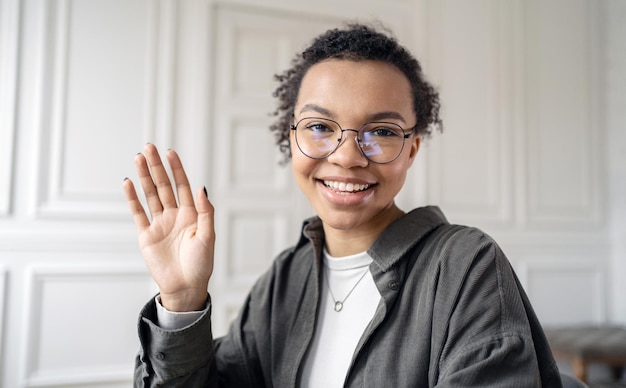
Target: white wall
533, 152
614, 81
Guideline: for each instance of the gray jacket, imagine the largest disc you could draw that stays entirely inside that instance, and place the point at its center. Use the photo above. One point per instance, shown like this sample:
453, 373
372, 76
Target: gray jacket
452, 314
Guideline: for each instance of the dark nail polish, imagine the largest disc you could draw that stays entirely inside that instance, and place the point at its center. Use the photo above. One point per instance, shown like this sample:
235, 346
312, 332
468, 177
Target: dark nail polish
205, 192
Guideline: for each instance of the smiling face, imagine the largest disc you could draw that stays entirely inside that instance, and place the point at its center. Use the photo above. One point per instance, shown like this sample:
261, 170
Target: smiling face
353, 196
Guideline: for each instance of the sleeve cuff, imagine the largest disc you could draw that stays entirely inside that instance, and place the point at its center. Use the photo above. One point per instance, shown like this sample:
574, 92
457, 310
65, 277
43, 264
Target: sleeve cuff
170, 320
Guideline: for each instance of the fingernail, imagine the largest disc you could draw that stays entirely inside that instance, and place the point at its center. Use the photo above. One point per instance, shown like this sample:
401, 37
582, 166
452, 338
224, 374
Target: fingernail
125, 179
205, 192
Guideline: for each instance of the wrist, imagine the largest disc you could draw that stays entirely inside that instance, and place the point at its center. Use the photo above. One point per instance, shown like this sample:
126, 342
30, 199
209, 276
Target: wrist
184, 302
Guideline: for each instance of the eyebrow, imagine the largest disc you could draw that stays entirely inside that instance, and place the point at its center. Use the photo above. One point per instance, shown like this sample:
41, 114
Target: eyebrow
318, 109
386, 115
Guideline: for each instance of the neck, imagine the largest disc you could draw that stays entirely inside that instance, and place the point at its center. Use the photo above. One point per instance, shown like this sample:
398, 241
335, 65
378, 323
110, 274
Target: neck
340, 242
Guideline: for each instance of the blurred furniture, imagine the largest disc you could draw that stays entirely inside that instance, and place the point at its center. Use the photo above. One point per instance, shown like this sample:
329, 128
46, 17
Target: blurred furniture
570, 381
583, 346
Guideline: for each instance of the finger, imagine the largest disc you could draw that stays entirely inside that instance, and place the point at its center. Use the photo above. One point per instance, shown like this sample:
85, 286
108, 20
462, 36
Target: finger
206, 216
160, 177
147, 184
185, 198
136, 210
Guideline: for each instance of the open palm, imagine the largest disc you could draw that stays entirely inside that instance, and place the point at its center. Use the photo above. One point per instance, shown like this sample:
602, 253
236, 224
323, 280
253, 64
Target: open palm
178, 243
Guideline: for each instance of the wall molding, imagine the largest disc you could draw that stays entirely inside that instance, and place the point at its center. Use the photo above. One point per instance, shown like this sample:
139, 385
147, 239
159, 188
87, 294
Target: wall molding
583, 206
3, 311
251, 159
58, 237
9, 63
269, 228
37, 276
595, 273
53, 200
496, 206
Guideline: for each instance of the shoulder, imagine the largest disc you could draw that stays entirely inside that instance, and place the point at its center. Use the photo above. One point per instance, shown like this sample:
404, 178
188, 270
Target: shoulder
461, 244
468, 267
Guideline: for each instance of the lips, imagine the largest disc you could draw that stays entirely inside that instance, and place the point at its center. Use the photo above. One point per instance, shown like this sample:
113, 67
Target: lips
346, 187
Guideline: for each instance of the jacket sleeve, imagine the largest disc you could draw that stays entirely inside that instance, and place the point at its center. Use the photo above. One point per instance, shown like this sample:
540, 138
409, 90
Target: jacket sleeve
507, 360
175, 358
492, 337
190, 357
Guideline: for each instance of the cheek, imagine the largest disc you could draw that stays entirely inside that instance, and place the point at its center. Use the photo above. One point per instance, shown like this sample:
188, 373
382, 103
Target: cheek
301, 165
397, 175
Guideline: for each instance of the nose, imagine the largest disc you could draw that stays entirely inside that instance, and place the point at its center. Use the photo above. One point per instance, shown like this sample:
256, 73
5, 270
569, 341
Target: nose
348, 154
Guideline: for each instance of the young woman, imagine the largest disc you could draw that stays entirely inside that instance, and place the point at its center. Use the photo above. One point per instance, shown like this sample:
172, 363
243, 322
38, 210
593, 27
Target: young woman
370, 296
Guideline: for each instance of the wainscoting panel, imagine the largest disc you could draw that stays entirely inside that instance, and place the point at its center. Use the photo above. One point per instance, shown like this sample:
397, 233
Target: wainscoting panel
68, 307
566, 291
9, 49
122, 50
3, 304
256, 237
250, 165
471, 165
563, 140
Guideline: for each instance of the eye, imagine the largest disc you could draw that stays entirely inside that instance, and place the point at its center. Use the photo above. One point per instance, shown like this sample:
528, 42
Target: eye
318, 127
384, 131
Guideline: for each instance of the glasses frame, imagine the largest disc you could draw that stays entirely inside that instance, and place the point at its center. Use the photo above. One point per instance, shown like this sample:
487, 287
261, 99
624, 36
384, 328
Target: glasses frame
294, 127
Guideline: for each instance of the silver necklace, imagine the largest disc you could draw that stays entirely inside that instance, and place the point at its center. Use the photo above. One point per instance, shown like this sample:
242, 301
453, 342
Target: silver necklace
339, 303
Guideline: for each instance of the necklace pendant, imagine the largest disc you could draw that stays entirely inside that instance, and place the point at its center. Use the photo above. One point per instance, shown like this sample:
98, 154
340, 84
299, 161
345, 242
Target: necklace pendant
338, 306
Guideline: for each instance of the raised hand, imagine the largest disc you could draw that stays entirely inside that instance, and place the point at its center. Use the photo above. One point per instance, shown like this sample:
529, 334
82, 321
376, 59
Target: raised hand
178, 242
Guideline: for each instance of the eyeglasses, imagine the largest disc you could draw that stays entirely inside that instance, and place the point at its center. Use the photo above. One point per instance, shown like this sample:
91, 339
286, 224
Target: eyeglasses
379, 142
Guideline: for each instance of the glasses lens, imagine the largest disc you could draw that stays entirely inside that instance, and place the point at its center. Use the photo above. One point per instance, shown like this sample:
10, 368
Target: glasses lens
381, 142
317, 138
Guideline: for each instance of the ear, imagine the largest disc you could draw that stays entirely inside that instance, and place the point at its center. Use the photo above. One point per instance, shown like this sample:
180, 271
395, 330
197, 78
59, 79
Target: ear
415, 142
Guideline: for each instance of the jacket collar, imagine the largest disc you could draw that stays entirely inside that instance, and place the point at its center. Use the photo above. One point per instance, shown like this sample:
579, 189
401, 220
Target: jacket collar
394, 242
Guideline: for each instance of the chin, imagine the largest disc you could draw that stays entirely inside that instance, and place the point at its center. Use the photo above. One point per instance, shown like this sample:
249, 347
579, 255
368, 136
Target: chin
342, 221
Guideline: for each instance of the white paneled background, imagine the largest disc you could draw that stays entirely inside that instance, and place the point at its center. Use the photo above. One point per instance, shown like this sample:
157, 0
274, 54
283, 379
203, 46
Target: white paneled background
533, 152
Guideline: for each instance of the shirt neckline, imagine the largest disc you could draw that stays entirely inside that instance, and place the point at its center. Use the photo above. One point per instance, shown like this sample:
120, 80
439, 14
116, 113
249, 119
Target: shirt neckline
343, 263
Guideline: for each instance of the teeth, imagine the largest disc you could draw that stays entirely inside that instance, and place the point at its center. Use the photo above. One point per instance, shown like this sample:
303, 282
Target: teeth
342, 186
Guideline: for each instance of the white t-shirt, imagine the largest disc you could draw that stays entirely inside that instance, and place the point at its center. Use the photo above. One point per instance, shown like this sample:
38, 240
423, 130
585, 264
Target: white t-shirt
338, 332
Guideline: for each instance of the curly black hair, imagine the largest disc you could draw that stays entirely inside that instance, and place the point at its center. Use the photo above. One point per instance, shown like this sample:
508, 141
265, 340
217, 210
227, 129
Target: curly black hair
356, 42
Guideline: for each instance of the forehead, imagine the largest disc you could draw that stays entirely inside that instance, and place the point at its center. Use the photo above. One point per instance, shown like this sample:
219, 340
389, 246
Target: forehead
345, 87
